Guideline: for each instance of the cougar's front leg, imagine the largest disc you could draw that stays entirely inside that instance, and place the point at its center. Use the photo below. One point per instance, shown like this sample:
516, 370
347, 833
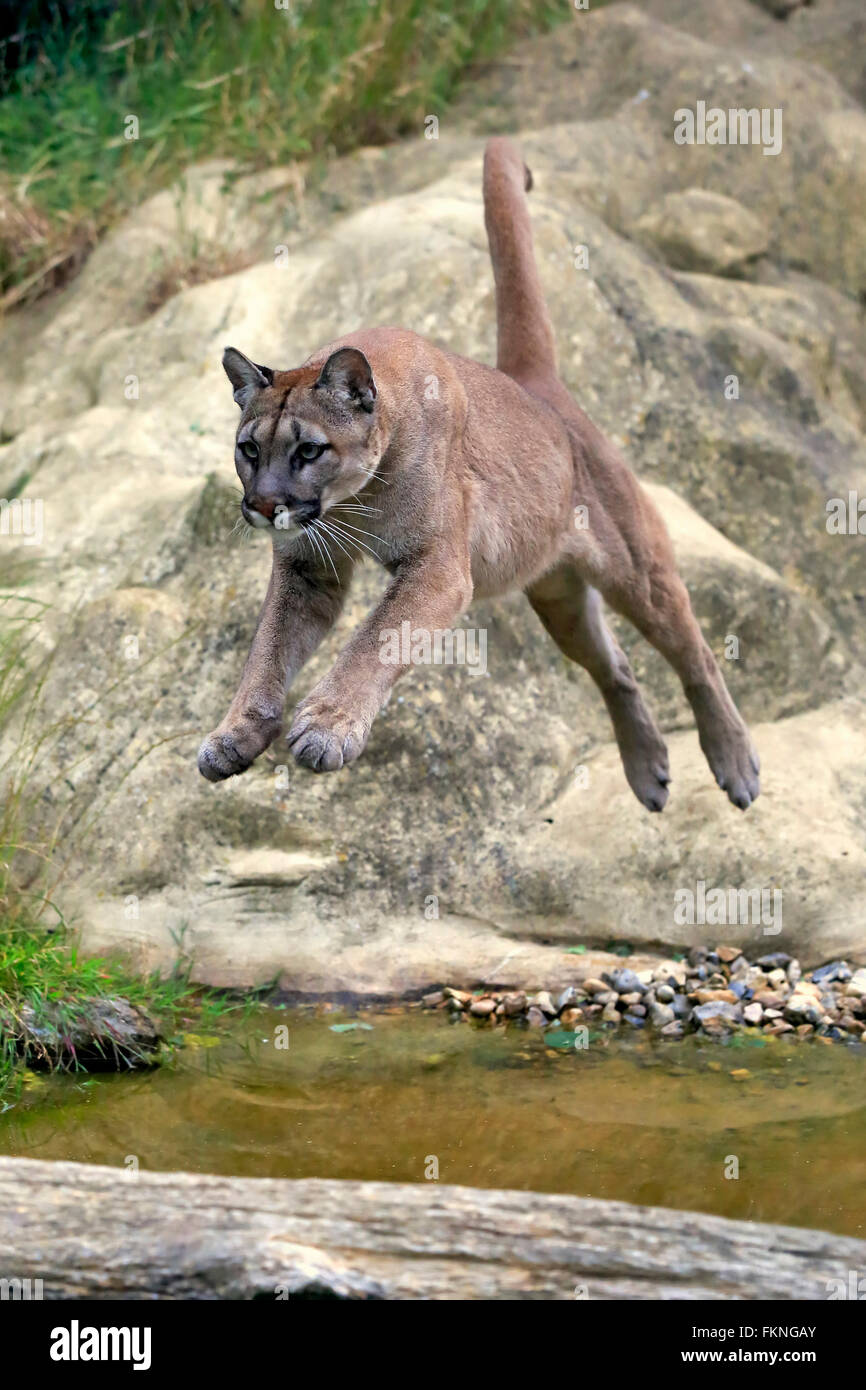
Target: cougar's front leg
301, 605
331, 726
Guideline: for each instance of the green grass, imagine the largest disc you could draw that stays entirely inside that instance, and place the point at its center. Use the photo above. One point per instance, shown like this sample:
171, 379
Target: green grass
49, 996
205, 79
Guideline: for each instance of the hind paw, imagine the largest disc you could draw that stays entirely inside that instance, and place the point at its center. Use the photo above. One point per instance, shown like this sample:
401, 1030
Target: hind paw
736, 767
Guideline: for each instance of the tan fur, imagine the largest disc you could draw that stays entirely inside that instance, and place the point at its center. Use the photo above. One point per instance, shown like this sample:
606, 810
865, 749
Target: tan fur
470, 478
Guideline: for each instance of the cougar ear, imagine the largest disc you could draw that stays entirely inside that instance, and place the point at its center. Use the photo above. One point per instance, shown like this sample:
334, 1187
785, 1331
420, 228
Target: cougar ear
246, 377
348, 374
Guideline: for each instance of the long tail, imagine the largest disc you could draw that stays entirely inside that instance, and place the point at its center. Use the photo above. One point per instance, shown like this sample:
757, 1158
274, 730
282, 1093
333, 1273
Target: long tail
525, 347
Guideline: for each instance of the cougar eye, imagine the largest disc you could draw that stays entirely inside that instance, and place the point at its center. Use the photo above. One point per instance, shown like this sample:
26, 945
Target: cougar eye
308, 452
250, 450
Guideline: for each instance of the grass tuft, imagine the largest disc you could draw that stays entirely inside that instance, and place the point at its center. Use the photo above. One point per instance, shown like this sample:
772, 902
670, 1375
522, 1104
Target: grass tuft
249, 81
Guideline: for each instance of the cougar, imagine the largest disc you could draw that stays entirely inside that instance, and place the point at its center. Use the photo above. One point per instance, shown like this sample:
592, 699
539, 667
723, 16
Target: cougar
464, 482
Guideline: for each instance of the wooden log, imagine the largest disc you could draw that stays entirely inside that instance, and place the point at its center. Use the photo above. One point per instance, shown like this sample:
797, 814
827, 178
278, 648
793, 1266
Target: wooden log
95, 1232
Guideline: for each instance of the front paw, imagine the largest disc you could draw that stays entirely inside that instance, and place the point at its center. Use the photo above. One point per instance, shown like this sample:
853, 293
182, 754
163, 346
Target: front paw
324, 736
226, 752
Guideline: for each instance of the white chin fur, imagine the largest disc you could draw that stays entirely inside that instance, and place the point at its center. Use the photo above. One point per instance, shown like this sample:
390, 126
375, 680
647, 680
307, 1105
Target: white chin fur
256, 519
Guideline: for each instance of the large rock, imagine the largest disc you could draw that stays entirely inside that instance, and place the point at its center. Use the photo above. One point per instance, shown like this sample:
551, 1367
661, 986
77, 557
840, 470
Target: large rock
488, 826
697, 230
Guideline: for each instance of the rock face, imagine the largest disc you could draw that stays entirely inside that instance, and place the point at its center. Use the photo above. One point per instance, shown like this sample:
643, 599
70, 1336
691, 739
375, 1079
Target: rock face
488, 826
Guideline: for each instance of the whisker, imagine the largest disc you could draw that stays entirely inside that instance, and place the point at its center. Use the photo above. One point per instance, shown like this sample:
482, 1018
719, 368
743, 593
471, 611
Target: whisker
320, 540
334, 534
386, 477
350, 526
358, 530
359, 545
315, 544
322, 554
355, 498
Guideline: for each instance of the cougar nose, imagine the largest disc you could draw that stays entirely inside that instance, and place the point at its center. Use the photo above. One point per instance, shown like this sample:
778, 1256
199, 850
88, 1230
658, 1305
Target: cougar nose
267, 505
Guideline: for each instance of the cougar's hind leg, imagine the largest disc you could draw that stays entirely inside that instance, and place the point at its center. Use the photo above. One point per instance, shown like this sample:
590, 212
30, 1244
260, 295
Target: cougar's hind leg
570, 609
658, 604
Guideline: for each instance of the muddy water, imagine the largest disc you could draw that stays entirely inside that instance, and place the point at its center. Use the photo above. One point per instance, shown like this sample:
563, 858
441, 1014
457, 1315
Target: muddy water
657, 1124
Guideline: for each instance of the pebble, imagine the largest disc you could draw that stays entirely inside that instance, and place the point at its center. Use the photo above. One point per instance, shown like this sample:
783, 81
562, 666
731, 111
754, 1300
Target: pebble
674, 971
482, 1008
514, 1004
544, 1002
626, 982
717, 992
661, 1015
807, 987
718, 1016
834, 970
712, 996
802, 1008
768, 999
755, 978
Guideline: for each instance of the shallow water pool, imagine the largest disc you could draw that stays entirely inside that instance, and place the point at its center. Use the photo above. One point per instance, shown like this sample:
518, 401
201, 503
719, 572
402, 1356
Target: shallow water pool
410, 1094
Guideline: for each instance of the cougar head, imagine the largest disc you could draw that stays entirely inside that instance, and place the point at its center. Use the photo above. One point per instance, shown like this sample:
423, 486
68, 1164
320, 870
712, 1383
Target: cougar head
307, 438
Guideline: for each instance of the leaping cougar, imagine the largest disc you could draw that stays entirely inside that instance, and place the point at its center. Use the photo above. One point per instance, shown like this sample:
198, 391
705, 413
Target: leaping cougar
467, 490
